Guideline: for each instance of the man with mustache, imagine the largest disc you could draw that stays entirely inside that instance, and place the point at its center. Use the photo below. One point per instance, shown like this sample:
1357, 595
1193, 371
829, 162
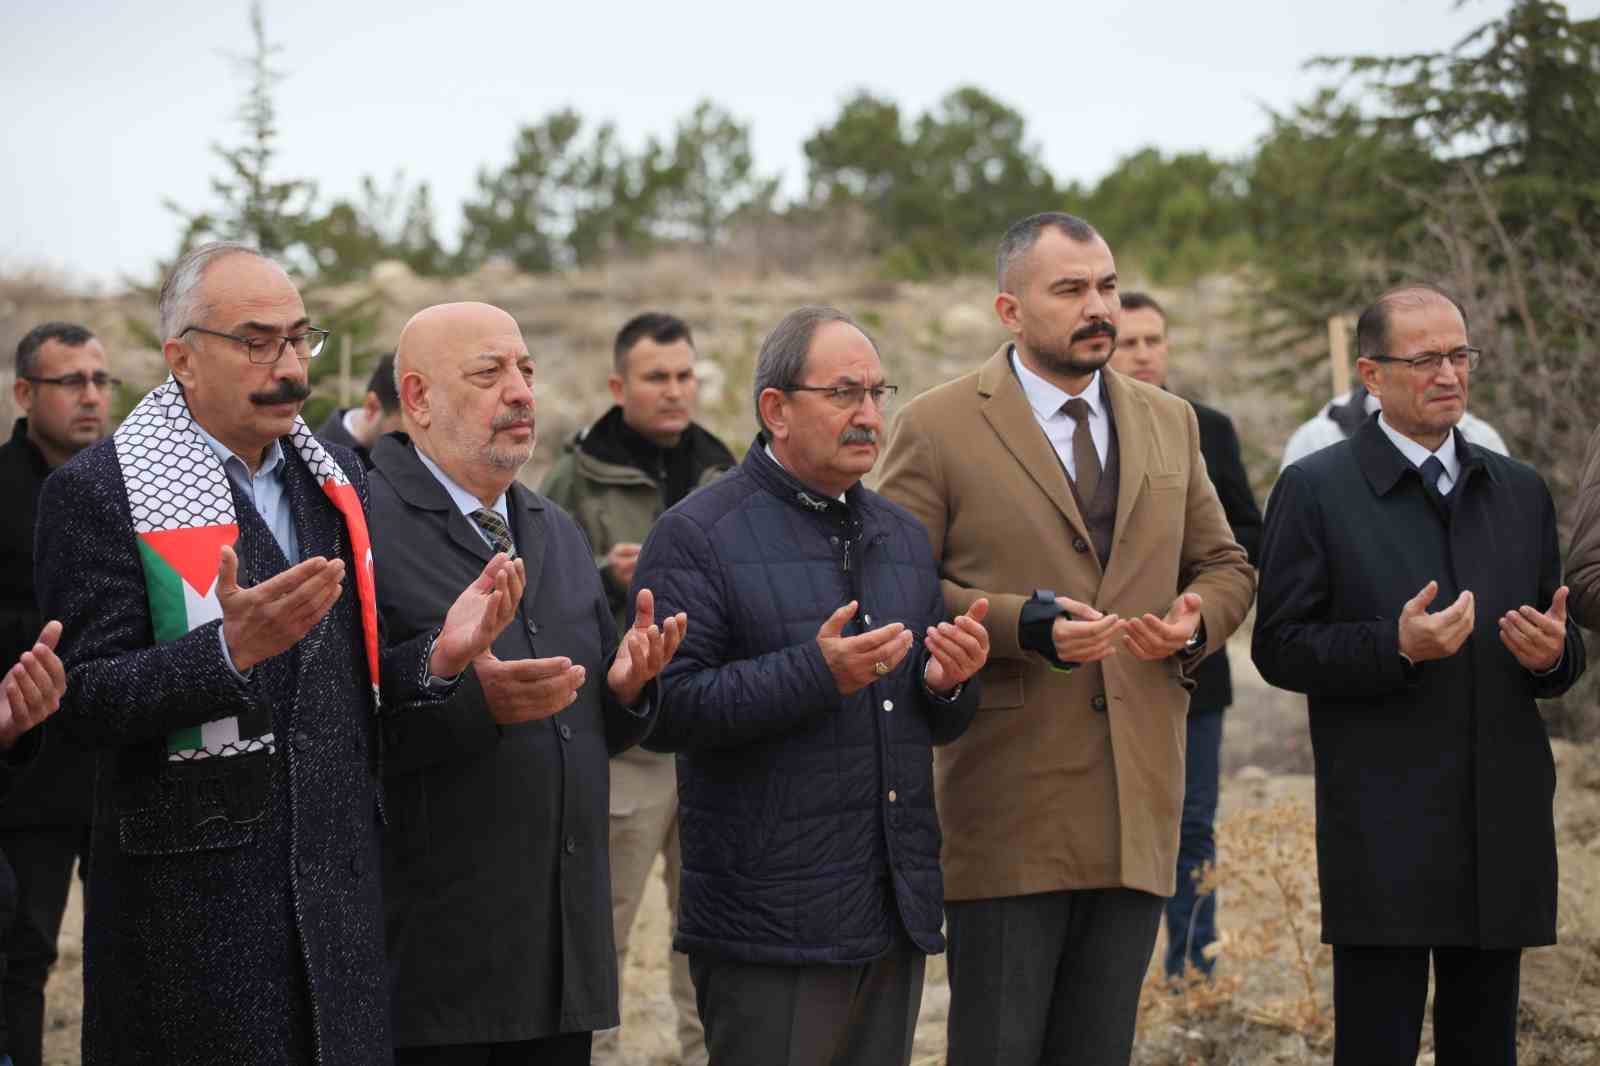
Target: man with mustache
495, 869
643, 455
211, 568
803, 706
1076, 501
1411, 588
63, 390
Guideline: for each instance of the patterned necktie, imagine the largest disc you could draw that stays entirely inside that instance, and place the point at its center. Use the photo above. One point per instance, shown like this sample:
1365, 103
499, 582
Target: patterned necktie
1084, 456
494, 527
1432, 471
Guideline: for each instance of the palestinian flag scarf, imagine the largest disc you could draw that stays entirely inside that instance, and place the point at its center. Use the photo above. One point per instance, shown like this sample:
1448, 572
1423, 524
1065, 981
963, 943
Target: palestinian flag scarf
183, 515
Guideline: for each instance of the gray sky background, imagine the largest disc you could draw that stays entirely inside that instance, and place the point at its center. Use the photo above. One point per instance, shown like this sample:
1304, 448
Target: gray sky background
110, 106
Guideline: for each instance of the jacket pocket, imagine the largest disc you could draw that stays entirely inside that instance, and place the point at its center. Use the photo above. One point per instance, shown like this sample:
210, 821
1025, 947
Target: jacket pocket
1001, 685
1167, 482
203, 805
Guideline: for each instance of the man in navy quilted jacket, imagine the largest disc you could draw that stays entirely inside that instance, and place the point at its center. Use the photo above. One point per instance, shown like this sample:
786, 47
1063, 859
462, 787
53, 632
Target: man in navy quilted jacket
804, 704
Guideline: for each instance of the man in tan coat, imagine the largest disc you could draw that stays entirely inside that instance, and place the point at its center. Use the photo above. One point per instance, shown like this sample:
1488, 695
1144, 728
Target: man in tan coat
1076, 500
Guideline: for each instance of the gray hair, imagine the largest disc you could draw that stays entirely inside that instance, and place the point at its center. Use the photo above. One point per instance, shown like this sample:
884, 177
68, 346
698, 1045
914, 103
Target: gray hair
1023, 235
180, 295
782, 361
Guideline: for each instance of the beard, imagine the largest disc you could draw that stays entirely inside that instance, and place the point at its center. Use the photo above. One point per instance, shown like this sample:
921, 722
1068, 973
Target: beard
1061, 359
480, 452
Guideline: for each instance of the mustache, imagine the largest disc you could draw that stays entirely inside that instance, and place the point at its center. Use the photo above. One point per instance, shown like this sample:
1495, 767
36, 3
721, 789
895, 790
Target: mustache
288, 391
859, 435
1095, 329
511, 417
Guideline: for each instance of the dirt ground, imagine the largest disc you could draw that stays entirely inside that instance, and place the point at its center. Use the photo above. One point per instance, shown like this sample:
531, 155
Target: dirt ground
1260, 1011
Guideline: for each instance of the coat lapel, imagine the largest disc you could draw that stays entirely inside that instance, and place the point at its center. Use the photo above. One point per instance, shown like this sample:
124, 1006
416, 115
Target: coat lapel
1006, 408
417, 486
1132, 415
527, 528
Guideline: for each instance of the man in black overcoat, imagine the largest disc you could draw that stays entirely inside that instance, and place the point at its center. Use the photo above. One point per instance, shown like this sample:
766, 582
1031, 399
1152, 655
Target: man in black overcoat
63, 391
1143, 352
1411, 587
496, 874
234, 901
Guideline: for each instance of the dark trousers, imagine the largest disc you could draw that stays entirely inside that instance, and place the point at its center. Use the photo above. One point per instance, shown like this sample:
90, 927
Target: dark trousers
768, 1015
42, 858
1191, 917
1048, 979
568, 1049
1379, 995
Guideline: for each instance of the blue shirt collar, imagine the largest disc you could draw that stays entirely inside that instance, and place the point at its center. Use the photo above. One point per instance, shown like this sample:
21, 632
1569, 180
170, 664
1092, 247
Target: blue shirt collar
1416, 454
465, 501
271, 460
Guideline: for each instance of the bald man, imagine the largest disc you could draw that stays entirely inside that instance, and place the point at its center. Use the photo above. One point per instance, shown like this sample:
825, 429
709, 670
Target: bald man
495, 863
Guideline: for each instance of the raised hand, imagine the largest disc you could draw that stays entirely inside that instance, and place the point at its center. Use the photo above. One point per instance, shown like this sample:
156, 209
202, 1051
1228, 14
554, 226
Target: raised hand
1154, 638
857, 661
526, 690
1425, 636
270, 618
1083, 634
1537, 638
957, 650
482, 610
623, 560
33, 687
645, 649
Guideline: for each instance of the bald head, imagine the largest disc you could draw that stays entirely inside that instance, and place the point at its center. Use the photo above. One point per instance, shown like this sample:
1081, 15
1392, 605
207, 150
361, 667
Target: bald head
466, 393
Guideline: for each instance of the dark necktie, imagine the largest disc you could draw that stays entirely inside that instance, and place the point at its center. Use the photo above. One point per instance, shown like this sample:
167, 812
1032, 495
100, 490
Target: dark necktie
1084, 457
494, 527
1432, 471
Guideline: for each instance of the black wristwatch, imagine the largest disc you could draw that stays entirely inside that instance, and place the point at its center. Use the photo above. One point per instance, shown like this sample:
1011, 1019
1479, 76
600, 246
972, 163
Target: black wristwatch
1034, 623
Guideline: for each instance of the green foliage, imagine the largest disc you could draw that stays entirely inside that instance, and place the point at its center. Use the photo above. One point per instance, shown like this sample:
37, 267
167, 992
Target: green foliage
353, 235
710, 176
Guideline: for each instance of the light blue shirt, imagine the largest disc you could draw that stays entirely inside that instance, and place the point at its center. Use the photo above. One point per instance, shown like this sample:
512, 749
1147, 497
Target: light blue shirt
1417, 454
465, 501
265, 490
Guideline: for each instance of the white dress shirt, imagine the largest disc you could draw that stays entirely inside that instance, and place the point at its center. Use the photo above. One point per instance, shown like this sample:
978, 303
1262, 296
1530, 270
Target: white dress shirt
1417, 454
1046, 400
465, 501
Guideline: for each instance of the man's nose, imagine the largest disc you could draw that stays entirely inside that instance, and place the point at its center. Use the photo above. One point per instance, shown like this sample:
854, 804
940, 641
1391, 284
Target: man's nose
518, 392
1095, 306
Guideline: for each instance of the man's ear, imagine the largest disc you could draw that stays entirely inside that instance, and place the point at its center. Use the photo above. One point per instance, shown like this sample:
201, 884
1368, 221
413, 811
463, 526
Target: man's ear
1368, 371
415, 401
372, 408
1008, 308
180, 360
774, 412
614, 382
22, 395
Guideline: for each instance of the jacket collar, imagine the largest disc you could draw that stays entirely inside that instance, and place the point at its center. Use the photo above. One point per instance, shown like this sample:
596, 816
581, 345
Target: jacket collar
24, 444
785, 486
1384, 466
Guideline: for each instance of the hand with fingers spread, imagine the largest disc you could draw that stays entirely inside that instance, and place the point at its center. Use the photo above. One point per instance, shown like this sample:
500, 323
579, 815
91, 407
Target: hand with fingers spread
645, 649
857, 661
956, 650
32, 688
482, 610
270, 618
1083, 634
526, 690
1425, 636
1537, 638
622, 560
1153, 638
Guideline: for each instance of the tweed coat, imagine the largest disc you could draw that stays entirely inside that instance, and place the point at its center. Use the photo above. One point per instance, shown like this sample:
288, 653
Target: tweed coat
235, 906
498, 881
1434, 787
1065, 780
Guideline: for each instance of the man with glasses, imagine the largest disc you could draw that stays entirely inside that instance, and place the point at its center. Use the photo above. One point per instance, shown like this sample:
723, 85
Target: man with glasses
211, 568
803, 704
1077, 501
1411, 588
63, 393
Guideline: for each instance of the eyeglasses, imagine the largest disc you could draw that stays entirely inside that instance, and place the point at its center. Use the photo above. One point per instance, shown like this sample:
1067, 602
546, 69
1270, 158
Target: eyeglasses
847, 397
77, 382
1429, 362
269, 350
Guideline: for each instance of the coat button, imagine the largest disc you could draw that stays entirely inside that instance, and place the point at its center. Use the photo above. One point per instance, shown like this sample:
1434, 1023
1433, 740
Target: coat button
566, 731
533, 628
302, 865
866, 620
571, 845
888, 705
893, 796
301, 739
1079, 544
357, 867
1099, 702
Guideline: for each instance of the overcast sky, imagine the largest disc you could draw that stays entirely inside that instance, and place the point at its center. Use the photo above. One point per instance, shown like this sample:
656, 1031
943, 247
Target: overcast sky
110, 107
